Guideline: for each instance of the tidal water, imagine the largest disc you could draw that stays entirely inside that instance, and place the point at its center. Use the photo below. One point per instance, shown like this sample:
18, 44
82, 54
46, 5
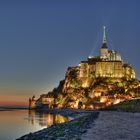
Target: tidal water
15, 123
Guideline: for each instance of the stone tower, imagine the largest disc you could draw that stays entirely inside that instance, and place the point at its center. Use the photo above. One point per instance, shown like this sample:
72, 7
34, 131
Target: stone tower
32, 102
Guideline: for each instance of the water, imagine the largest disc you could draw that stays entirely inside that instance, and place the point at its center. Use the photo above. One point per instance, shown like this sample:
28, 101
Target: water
15, 123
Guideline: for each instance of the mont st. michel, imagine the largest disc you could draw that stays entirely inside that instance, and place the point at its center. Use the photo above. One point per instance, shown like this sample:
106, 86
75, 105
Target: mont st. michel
96, 83
100, 94
70, 70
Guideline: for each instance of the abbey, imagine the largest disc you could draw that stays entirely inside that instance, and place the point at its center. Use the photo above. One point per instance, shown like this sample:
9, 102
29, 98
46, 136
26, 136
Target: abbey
108, 64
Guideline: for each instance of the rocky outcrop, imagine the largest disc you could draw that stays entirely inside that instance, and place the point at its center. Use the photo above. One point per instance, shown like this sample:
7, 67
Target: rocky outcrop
100, 93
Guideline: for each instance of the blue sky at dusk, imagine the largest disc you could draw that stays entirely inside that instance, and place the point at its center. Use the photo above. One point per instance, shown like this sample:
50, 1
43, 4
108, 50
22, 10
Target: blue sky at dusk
40, 39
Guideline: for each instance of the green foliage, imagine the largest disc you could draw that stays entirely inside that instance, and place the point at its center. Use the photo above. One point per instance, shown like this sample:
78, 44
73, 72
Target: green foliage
59, 132
119, 84
77, 138
76, 83
62, 99
76, 123
128, 106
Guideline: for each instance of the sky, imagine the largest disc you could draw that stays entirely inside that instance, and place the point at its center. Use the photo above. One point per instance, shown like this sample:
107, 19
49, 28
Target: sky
40, 39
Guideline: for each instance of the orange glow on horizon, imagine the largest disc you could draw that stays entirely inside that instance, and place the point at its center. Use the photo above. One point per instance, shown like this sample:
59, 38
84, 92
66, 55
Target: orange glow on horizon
14, 97
13, 100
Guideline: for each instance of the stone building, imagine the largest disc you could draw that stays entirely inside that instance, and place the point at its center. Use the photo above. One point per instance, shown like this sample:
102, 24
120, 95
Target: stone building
45, 101
108, 64
32, 103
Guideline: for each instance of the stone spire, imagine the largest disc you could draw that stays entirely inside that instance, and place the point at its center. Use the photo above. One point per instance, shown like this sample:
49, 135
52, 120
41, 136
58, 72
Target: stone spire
104, 42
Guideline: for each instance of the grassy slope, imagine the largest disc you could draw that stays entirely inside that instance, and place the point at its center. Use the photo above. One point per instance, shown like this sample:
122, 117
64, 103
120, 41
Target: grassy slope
128, 106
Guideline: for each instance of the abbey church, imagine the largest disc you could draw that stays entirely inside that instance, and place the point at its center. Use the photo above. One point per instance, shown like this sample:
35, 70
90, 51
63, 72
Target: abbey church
108, 64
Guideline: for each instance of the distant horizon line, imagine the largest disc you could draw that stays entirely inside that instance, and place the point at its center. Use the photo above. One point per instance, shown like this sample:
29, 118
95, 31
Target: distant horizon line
13, 106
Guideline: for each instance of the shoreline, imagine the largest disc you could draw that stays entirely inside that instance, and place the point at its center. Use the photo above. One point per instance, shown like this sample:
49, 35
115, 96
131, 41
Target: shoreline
12, 109
73, 129
74, 113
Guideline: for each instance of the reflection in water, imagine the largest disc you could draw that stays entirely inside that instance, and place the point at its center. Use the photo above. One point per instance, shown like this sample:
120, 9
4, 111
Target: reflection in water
16, 123
45, 119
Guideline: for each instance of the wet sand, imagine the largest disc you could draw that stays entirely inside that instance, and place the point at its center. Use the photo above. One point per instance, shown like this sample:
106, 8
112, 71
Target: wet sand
111, 125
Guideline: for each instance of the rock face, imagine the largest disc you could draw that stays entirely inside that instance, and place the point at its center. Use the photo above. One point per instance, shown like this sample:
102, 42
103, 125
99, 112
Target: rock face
101, 92
95, 83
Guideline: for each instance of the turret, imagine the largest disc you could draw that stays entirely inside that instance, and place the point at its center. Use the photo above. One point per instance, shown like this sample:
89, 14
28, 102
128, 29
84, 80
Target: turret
32, 103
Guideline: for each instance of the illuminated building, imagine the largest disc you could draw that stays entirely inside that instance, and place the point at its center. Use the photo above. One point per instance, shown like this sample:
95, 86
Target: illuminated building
108, 64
